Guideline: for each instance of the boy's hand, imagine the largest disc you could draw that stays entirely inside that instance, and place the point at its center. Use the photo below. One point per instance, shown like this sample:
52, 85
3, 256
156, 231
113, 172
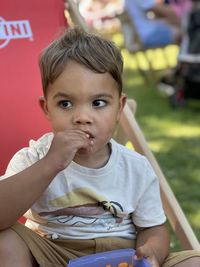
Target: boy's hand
147, 252
65, 145
153, 244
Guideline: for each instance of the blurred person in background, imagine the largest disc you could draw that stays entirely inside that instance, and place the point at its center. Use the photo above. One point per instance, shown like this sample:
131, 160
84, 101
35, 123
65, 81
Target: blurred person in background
180, 7
101, 14
161, 29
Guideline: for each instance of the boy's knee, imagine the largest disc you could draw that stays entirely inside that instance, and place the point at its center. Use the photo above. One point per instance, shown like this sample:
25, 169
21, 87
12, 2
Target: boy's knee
194, 261
14, 251
191, 262
10, 241
5, 242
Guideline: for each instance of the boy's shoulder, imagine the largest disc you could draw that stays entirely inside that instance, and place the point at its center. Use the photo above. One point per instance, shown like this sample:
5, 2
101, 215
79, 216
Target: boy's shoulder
131, 161
36, 149
127, 152
27, 156
42, 144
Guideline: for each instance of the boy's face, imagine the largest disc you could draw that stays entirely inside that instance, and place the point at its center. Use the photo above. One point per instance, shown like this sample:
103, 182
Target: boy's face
82, 99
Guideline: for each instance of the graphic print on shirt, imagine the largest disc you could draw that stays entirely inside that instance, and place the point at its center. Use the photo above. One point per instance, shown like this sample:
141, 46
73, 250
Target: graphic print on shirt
83, 206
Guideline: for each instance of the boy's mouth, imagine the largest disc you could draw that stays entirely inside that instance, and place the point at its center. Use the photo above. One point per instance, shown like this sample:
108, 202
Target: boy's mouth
91, 136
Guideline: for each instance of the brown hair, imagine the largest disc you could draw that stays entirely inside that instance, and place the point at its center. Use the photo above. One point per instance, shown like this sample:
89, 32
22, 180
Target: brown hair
90, 50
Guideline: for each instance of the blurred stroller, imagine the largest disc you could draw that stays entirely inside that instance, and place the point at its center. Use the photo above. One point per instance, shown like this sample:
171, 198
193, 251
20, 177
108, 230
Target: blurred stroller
184, 83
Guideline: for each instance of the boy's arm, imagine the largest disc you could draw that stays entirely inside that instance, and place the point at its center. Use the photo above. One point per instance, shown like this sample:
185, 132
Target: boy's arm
153, 244
19, 192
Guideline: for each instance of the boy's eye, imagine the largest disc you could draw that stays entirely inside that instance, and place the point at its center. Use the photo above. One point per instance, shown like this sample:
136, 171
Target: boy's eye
65, 104
99, 103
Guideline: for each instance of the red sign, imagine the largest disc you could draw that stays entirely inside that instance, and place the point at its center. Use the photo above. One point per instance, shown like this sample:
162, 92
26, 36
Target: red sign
26, 27
18, 29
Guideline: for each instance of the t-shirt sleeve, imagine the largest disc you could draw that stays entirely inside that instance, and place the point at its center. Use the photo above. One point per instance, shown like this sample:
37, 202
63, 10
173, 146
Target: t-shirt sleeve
149, 211
19, 162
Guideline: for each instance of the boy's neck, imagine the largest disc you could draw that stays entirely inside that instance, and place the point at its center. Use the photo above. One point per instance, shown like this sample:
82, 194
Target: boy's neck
94, 161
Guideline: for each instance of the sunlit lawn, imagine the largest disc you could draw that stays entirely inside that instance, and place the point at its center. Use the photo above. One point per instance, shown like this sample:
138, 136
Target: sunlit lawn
173, 135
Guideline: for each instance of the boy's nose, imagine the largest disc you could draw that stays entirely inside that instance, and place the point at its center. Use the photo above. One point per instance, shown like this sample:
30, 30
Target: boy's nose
82, 118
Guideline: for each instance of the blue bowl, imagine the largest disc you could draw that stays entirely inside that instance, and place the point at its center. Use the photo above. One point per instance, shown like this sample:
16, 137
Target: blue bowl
112, 258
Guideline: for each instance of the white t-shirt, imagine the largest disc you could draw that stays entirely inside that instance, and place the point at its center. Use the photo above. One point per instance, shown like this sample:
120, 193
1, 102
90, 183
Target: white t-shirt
84, 203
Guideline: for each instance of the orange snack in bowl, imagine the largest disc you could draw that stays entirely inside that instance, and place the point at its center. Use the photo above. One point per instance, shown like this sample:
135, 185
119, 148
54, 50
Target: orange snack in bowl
123, 264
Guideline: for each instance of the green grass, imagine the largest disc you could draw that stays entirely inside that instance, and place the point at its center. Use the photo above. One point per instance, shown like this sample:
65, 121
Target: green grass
173, 135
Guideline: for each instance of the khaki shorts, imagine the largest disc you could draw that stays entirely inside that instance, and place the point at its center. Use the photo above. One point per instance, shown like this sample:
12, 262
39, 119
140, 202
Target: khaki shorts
57, 253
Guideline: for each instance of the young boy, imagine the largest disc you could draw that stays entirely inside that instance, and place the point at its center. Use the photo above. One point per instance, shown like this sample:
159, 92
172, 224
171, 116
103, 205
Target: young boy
81, 192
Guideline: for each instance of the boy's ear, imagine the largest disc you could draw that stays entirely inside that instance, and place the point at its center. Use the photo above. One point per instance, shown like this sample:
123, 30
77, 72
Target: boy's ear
43, 105
122, 102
